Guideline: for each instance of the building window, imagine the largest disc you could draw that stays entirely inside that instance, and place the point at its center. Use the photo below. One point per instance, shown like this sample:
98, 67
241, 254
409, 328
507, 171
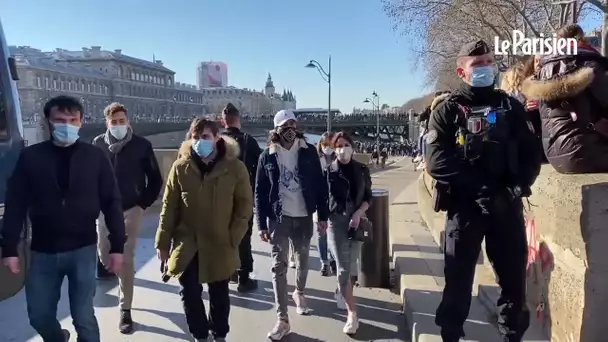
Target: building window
62, 85
46, 82
89, 87
54, 84
69, 86
105, 89
82, 87
38, 82
132, 75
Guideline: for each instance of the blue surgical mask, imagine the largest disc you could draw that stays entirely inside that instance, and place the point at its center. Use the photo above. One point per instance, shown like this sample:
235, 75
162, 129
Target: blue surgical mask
65, 133
482, 76
203, 147
119, 131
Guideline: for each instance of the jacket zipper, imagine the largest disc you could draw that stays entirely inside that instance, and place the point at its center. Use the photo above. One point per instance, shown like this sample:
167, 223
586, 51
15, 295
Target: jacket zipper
347, 190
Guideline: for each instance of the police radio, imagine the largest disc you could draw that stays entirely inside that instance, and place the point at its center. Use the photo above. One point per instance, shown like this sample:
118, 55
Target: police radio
478, 121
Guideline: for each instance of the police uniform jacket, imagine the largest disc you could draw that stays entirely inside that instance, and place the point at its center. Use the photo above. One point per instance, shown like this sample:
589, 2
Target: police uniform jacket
505, 159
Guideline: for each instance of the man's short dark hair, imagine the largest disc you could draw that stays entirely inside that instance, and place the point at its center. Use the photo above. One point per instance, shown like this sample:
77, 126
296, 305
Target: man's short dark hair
63, 103
230, 113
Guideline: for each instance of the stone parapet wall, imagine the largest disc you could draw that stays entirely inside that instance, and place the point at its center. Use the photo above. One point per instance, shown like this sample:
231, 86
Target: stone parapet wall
571, 219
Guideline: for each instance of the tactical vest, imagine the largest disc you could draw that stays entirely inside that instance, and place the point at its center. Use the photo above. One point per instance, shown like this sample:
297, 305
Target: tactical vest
484, 136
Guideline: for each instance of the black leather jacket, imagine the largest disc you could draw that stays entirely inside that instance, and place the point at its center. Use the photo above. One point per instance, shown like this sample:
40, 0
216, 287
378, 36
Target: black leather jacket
340, 187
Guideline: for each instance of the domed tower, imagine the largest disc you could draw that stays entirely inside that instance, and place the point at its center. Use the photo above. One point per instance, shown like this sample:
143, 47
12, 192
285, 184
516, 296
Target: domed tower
269, 89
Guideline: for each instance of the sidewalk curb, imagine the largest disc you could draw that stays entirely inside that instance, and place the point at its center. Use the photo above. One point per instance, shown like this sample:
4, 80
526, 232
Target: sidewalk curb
418, 266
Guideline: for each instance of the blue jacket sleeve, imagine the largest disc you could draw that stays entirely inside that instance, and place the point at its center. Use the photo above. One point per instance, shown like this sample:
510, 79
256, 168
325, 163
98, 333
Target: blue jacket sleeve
111, 205
15, 210
262, 189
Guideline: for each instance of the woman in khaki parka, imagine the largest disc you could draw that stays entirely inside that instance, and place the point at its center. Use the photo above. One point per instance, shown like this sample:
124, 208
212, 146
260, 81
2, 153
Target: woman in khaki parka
206, 206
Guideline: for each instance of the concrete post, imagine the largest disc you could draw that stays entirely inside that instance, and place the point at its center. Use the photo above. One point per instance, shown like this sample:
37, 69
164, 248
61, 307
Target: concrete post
375, 255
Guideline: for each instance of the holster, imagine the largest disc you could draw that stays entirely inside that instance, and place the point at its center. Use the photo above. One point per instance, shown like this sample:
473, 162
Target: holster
441, 197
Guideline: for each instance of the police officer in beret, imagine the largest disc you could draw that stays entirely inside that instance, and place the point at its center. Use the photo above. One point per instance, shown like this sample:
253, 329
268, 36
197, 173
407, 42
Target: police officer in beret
480, 152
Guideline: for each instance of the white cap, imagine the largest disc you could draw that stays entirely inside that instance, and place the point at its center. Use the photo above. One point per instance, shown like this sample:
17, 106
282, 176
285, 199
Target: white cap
282, 116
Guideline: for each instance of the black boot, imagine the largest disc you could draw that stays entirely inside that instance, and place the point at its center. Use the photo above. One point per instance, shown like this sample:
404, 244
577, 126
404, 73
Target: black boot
325, 270
126, 322
247, 284
333, 267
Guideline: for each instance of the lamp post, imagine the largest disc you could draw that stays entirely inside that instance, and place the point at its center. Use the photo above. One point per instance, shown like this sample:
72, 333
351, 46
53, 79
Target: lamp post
326, 75
375, 101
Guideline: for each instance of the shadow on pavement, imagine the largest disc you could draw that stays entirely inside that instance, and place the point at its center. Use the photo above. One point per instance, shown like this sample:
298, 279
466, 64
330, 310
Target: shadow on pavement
177, 319
103, 299
295, 337
374, 170
416, 248
260, 253
323, 304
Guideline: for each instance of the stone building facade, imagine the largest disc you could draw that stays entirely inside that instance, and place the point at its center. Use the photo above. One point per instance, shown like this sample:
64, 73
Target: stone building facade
250, 102
147, 88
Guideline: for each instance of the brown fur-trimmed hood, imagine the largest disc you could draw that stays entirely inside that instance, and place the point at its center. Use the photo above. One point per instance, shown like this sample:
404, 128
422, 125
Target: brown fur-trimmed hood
232, 148
561, 87
438, 99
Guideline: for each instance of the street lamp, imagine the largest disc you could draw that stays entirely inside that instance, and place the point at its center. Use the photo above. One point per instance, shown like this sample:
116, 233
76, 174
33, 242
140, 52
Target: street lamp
375, 101
326, 75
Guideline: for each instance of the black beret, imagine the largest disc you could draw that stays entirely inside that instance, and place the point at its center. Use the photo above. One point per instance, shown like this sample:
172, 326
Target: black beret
476, 48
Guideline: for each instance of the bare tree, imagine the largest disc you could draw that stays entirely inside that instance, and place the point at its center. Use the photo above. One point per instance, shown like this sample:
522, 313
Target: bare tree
438, 28
599, 7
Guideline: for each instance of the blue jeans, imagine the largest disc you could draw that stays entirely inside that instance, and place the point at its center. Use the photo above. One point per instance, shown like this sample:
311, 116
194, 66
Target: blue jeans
43, 290
347, 252
324, 254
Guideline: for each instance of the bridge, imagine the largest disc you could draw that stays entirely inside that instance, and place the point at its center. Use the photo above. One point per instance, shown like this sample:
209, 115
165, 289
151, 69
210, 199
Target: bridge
392, 128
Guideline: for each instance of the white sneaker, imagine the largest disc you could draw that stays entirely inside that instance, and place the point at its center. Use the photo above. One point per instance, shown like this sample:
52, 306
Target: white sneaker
352, 324
340, 301
301, 307
280, 330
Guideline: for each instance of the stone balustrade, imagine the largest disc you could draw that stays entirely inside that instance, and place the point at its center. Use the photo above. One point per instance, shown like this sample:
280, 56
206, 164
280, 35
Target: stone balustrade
571, 219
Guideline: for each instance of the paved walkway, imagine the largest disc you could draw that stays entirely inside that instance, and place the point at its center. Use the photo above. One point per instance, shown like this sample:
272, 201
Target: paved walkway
159, 315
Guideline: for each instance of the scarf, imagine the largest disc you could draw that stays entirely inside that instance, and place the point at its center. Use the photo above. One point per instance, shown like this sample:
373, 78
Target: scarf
115, 145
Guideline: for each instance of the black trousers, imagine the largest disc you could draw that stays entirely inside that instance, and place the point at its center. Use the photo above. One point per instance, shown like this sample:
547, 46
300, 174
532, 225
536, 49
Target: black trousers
191, 292
246, 255
507, 250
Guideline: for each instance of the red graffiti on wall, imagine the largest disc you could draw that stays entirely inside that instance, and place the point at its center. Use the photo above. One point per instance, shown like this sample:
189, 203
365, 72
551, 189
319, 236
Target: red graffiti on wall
540, 260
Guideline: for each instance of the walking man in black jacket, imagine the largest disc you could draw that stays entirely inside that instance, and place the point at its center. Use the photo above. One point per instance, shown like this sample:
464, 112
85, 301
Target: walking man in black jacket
140, 182
62, 184
250, 153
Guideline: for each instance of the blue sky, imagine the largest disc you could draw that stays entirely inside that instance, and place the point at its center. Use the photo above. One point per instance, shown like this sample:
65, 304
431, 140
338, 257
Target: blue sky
252, 37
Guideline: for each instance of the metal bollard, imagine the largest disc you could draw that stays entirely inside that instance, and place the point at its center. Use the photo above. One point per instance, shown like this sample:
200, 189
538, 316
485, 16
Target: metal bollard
375, 257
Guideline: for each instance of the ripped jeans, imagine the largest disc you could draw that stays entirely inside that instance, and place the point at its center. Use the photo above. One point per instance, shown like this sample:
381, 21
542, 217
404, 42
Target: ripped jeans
346, 252
298, 231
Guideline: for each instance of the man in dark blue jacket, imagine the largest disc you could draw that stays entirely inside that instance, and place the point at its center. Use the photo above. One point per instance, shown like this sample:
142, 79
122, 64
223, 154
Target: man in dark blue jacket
249, 154
290, 187
139, 181
62, 184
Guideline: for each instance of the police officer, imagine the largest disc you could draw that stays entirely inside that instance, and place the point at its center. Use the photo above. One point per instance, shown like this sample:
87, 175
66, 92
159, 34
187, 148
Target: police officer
479, 153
